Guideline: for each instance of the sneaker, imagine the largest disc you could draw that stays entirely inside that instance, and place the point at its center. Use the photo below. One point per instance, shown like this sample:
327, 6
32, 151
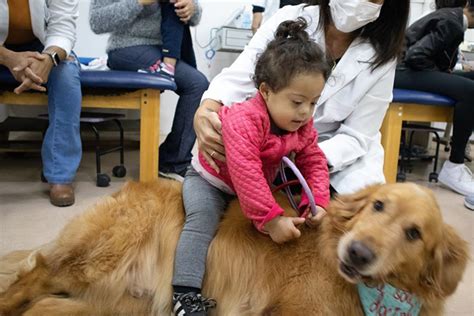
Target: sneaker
167, 70
172, 175
469, 202
187, 304
152, 69
457, 177
160, 68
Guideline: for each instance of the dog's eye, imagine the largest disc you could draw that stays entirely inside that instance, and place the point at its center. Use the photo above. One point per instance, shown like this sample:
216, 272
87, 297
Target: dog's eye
412, 233
378, 206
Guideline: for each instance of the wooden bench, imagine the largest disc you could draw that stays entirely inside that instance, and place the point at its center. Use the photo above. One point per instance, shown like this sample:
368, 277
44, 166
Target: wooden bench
112, 90
414, 106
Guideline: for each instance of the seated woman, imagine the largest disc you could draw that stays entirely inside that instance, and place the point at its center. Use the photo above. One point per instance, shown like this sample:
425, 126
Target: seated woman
430, 56
36, 41
362, 40
135, 43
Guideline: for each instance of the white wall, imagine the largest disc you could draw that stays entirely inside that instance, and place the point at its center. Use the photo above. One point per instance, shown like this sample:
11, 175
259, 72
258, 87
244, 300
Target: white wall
215, 13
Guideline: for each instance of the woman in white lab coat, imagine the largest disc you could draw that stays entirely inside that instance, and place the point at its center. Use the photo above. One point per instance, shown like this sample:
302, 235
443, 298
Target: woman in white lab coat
362, 38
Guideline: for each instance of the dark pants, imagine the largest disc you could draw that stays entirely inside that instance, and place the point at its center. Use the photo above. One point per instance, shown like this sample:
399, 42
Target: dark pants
171, 31
175, 152
458, 86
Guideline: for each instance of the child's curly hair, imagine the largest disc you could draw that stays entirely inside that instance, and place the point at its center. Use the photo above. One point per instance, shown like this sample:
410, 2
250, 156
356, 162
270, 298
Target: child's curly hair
291, 53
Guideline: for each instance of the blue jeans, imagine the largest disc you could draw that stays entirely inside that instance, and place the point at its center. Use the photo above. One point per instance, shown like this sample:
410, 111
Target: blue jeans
62, 149
175, 152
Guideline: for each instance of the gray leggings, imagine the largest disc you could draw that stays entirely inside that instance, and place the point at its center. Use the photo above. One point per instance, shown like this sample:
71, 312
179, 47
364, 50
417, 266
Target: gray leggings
204, 205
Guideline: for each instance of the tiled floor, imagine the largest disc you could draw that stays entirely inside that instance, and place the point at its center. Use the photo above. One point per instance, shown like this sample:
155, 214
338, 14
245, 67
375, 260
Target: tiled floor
28, 220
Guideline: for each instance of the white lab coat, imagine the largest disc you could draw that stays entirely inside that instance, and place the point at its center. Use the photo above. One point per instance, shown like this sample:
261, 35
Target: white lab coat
271, 6
53, 22
349, 112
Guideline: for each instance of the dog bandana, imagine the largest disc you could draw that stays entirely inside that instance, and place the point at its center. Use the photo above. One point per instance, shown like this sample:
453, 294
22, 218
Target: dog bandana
388, 301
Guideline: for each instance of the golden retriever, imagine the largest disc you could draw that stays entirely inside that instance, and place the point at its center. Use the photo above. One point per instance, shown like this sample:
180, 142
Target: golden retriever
117, 258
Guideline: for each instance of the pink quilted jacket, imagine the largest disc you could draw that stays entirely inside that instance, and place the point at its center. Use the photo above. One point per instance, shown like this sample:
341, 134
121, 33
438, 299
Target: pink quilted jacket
253, 155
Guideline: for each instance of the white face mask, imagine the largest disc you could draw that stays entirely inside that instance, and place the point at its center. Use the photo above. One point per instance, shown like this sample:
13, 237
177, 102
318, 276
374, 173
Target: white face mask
350, 15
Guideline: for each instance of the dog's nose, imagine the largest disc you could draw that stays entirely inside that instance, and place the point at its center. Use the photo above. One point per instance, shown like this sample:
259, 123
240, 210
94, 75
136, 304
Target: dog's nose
360, 255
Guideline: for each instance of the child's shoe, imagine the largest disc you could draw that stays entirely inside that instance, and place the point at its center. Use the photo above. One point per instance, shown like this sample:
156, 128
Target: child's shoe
191, 304
152, 69
167, 70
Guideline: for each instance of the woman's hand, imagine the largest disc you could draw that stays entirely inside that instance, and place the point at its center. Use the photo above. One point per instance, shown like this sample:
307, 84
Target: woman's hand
282, 229
208, 131
184, 9
313, 221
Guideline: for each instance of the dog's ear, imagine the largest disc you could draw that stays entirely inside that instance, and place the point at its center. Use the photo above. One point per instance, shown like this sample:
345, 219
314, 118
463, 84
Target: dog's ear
446, 267
344, 207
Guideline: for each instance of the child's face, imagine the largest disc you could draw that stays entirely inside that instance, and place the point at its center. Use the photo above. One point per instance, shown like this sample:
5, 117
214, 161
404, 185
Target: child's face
293, 106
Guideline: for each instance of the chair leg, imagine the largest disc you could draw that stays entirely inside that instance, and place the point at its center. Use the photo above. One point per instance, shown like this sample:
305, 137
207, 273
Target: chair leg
4, 136
434, 175
120, 171
103, 180
401, 176
410, 148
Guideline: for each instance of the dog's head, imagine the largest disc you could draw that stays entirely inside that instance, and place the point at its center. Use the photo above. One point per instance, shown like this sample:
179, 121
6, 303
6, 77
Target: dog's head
395, 233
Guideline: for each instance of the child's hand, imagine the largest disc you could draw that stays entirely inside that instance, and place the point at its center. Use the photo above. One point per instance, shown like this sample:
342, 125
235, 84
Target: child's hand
282, 229
313, 221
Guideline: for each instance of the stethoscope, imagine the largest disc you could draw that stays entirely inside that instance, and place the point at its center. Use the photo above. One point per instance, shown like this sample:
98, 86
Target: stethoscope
286, 162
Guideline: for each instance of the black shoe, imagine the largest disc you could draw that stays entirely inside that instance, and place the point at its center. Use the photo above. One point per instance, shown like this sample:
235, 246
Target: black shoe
187, 304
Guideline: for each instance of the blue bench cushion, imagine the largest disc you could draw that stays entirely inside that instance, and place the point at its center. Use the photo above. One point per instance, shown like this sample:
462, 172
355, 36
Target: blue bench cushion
421, 97
113, 79
116, 79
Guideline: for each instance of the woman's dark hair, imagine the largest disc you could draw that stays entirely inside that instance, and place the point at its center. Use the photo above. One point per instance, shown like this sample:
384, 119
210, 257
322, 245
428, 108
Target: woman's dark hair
451, 3
386, 34
291, 53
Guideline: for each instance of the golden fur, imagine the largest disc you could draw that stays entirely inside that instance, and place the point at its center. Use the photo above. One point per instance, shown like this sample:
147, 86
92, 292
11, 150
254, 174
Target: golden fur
117, 258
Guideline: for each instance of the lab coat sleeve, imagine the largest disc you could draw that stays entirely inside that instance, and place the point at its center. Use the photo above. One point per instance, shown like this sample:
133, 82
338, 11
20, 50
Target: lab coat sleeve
61, 24
235, 83
260, 3
351, 140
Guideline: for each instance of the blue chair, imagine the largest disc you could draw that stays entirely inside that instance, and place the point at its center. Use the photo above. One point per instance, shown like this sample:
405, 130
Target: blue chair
413, 106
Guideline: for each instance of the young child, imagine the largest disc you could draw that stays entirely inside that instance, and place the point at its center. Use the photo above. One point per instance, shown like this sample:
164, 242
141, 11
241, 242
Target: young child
290, 75
172, 29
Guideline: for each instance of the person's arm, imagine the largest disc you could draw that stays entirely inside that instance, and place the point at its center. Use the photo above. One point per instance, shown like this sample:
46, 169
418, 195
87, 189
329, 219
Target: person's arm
60, 38
105, 16
243, 133
257, 15
4, 55
61, 27
194, 17
312, 163
422, 54
351, 139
